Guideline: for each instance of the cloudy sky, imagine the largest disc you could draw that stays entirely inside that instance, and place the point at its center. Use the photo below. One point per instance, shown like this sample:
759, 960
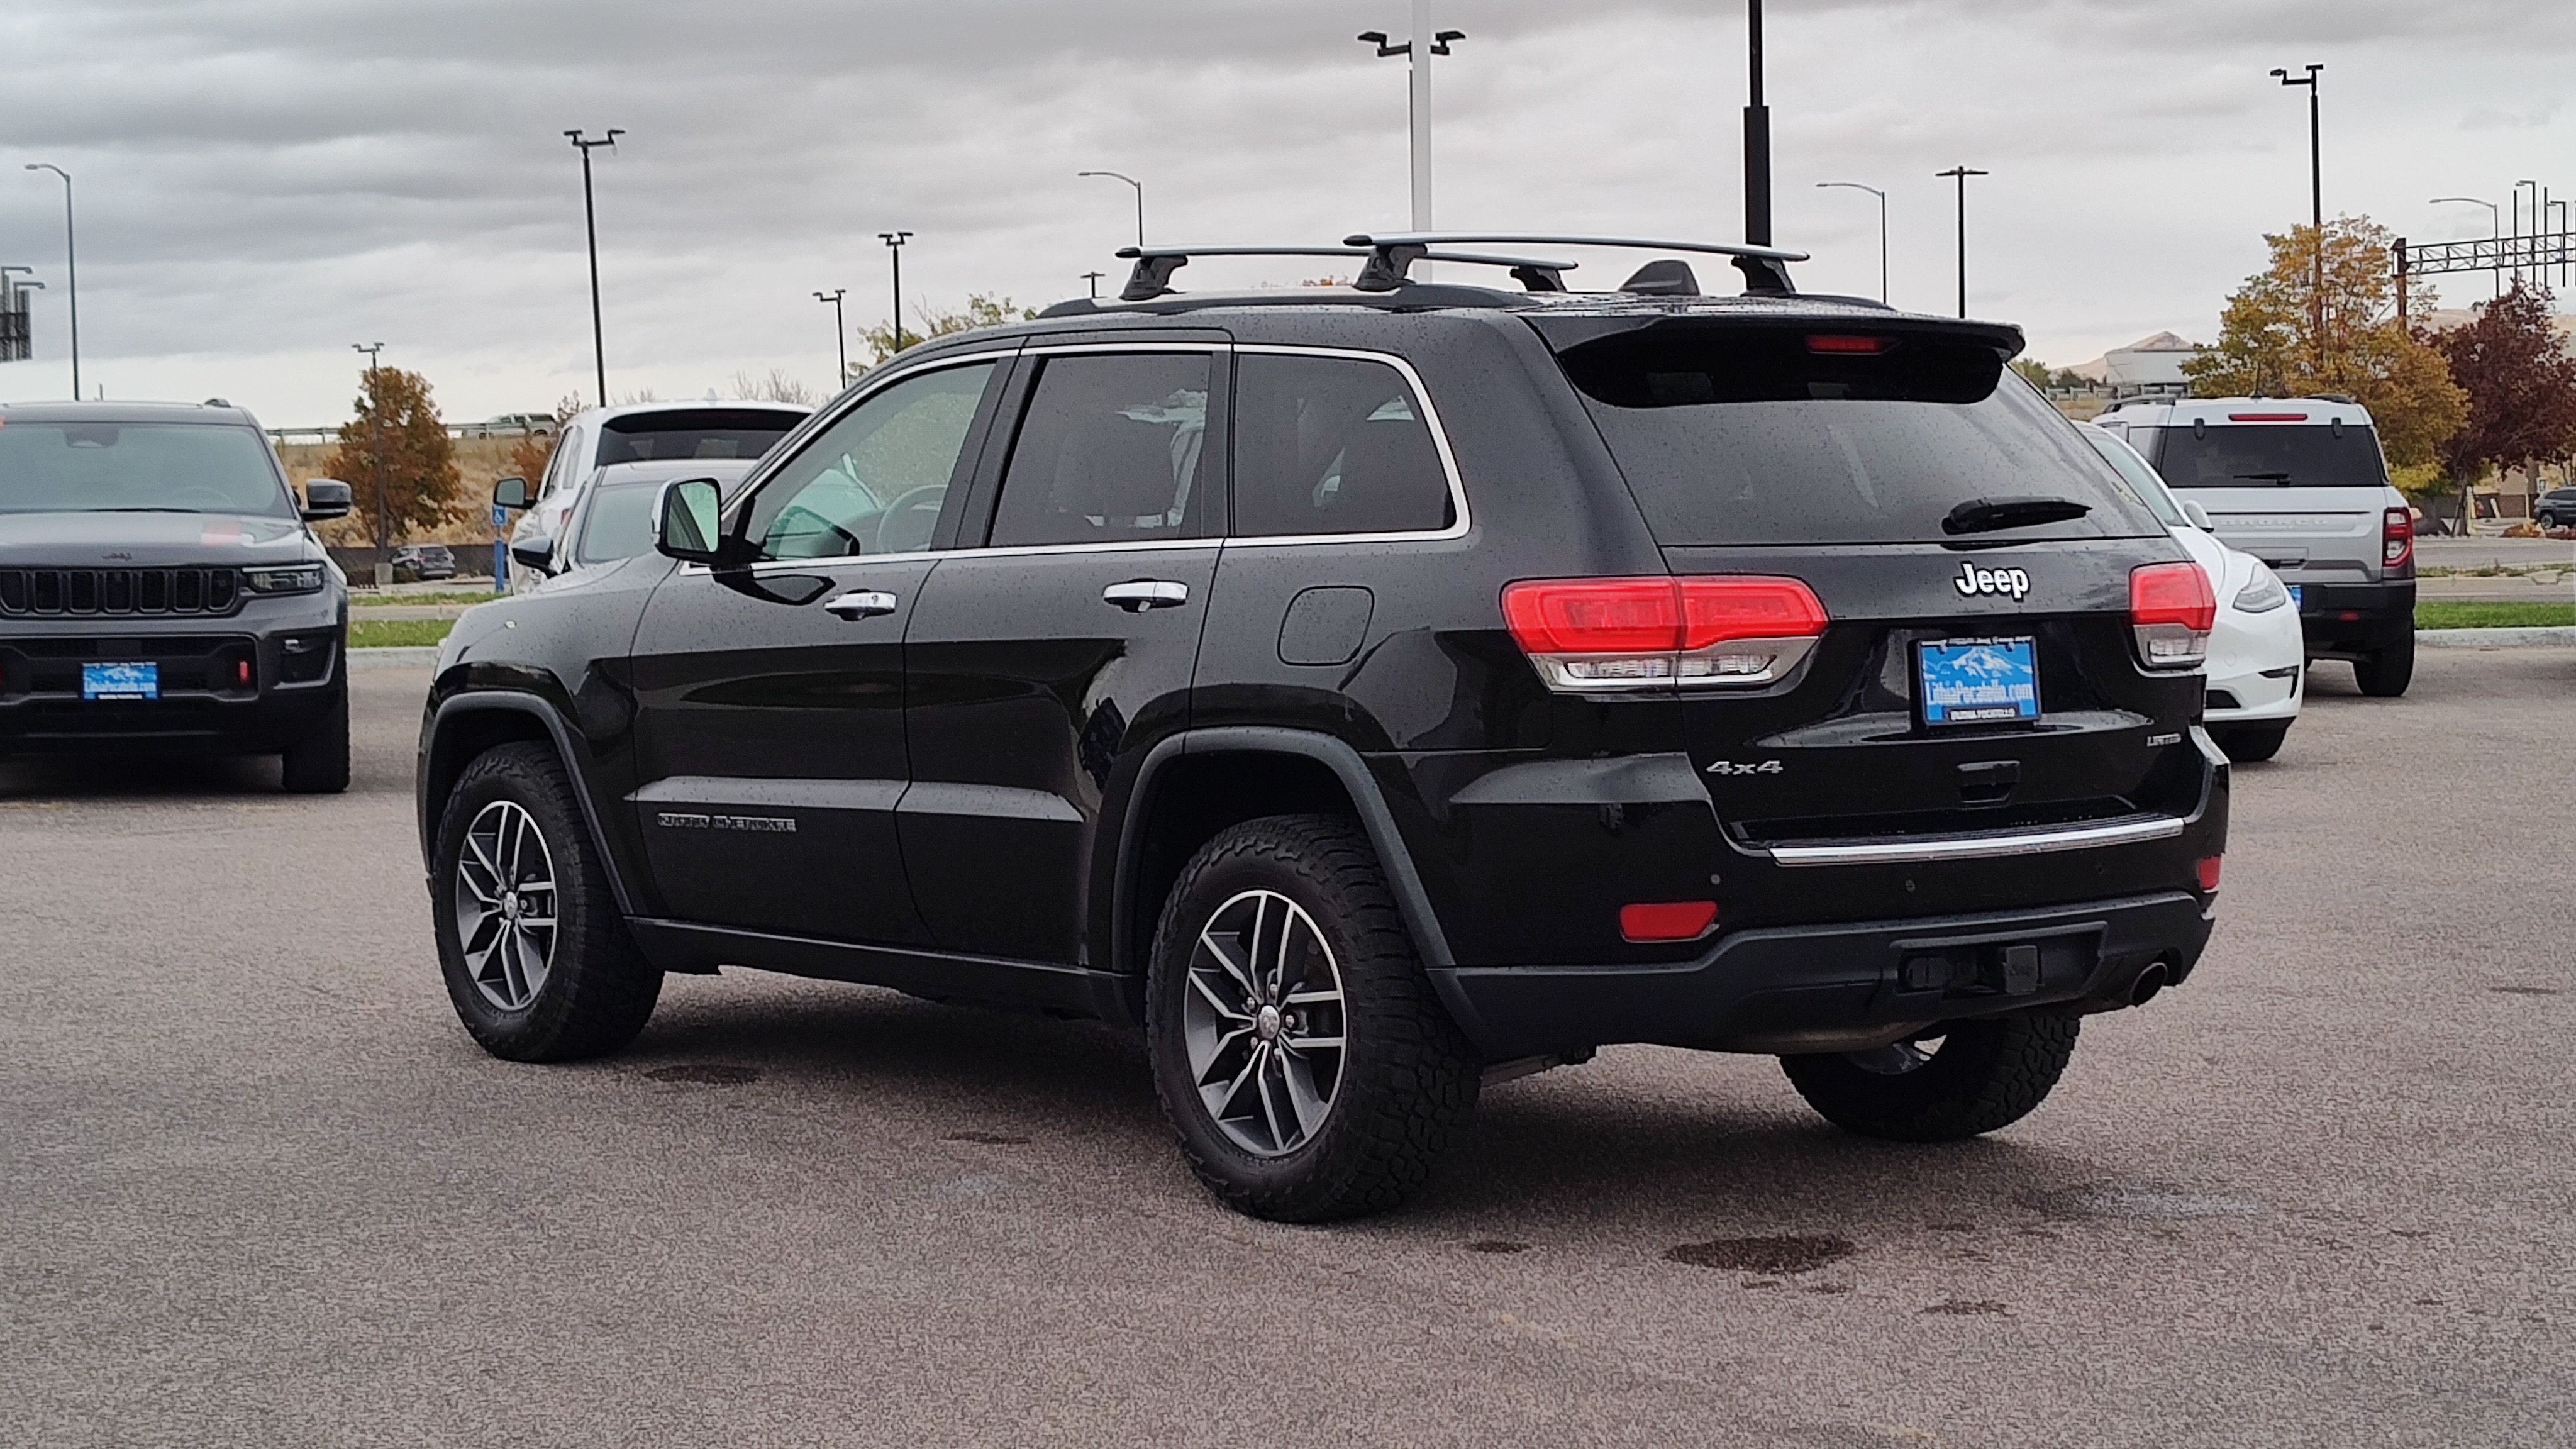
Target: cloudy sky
263, 182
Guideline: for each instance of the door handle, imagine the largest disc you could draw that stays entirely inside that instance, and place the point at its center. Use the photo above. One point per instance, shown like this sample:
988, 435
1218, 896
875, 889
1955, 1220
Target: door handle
859, 604
1138, 595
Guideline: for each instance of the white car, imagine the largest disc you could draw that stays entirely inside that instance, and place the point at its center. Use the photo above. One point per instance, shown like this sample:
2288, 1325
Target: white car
2257, 657
646, 432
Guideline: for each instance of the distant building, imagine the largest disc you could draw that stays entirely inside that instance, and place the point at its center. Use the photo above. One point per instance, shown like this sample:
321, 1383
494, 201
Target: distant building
2148, 367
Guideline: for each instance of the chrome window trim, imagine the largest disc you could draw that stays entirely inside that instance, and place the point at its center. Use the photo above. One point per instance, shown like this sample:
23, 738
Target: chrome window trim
1979, 847
1458, 527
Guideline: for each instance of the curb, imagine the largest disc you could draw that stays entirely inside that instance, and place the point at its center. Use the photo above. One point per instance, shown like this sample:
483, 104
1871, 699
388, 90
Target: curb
2553, 636
422, 656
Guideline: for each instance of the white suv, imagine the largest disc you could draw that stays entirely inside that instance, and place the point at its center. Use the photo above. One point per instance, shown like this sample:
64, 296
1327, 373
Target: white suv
646, 432
2300, 484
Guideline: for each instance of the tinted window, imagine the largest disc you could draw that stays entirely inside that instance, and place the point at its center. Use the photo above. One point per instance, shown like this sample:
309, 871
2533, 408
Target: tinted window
563, 464
155, 467
2271, 455
874, 481
1108, 451
620, 523
691, 433
1736, 434
1332, 445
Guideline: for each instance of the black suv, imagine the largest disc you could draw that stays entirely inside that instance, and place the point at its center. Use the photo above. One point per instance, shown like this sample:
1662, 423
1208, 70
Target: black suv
160, 590
1371, 692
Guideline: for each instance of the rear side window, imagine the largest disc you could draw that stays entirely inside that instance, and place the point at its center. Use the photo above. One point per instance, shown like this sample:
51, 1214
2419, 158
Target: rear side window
2271, 455
1327, 445
1730, 433
1109, 451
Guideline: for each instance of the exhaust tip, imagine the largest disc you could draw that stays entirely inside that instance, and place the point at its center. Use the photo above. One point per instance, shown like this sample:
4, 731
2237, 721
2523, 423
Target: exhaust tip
2148, 983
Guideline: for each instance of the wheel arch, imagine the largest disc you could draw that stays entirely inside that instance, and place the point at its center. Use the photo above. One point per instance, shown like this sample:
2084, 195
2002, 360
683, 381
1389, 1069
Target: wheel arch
465, 726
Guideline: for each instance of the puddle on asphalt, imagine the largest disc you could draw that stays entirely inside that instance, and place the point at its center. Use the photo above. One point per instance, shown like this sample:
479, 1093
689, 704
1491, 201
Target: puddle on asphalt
987, 1139
2137, 1202
705, 1074
2524, 990
1776, 1256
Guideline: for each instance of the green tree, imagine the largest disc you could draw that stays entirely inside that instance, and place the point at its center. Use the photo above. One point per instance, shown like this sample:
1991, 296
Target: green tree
980, 311
2270, 343
420, 480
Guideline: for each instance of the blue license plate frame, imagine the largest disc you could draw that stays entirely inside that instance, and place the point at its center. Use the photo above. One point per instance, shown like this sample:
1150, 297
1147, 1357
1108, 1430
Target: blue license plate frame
2298, 599
1989, 683
121, 680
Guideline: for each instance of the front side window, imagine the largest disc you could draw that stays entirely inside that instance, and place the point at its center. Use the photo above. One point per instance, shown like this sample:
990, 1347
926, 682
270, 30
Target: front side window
620, 523
1333, 445
874, 481
138, 468
1109, 451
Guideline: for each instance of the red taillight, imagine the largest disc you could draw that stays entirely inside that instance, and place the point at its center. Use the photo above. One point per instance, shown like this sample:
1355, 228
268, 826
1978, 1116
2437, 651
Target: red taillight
1831, 343
1667, 920
2267, 417
1594, 634
2396, 538
2207, 869
2171, 611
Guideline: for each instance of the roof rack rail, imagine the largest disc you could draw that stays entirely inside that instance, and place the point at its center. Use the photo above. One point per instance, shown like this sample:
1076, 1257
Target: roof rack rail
1152, 276
1765, 269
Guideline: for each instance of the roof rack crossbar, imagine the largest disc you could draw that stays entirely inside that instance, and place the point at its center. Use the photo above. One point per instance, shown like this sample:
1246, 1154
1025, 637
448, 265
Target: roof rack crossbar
1765, 269
1155, 265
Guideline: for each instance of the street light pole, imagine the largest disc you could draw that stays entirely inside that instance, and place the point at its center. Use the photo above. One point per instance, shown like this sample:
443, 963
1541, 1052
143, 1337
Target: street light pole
894, 241
1140, 197
1418, 51
590, 224
71, 265
1961, 175
2495, 234
376, 419
840, 333
2525, 249
2316, 206
1757, 139
1882, 228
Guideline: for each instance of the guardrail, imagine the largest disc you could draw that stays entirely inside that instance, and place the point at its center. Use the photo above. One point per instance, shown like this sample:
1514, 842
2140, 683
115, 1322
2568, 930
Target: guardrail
454, 430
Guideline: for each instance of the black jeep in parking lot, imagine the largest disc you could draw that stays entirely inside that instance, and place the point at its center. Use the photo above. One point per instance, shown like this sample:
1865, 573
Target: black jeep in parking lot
1369, 692
161, 592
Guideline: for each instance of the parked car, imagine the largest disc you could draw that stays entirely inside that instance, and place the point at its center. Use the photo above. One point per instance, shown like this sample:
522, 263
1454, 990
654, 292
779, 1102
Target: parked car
2300, 484
424, 561
643, 432
2257, 656
1367, 693
613, 519
2555, 508
161, 592
526, 425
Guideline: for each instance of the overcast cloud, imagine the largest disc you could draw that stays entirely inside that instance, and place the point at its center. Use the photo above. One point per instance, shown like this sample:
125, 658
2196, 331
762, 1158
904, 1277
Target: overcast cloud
263, 182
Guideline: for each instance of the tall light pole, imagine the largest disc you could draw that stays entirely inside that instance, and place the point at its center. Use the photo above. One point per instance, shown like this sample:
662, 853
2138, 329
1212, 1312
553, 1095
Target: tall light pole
1757, 138
71, 265
1882, 228
2316, 206
376, 416
1418, 51
840, 334
1140, 197
590, 224
2521, 248
894, 241
2495, 232
2560, 207
1961, 175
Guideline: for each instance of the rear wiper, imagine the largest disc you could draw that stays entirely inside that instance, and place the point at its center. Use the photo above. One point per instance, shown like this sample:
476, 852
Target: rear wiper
1985, 515
2281, 478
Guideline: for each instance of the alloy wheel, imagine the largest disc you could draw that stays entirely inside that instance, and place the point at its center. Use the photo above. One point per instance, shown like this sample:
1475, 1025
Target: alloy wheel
505, 905
1264, 1023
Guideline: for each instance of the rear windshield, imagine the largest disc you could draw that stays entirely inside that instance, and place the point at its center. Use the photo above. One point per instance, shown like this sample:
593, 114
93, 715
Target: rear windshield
691, 433
2269, 455
1763, 435
138, 467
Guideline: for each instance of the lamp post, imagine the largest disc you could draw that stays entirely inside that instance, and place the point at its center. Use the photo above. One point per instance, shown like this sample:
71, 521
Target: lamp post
2495, 234
71, 265
1961, 175
2525, 250
1140, 197
840, 331
2316, 206
2561, 208
590, 224
1418, 51
15, 344
1882, 230
376, 418
1757, 138
894, 241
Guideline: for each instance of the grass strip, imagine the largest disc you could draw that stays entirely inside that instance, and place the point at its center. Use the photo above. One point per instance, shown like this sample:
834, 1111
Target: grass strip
2470, 614
385, 633
371, 600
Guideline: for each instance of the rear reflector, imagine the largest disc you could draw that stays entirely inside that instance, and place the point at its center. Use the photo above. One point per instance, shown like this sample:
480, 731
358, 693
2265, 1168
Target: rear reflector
1656, 633
2207, 870
1831, 343
2396, 537
2171, 611
1667, 920
2267, 417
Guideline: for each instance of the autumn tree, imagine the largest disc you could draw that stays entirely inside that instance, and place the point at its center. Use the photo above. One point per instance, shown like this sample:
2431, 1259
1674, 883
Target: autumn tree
2271, 344
397, 421
2521, 386
980, 311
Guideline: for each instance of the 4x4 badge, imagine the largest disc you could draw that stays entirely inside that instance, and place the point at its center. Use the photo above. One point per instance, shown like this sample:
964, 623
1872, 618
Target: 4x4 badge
1973, 581
1731, 767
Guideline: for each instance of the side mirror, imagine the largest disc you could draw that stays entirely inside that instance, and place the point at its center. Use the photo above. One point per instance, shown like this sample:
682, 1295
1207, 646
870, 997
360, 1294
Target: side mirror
538, 554
2199, 516
685, 525
326, 498
513, 493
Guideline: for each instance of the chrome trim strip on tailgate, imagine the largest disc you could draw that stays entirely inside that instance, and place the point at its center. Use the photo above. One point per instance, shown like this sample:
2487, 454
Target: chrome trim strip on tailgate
1976, 847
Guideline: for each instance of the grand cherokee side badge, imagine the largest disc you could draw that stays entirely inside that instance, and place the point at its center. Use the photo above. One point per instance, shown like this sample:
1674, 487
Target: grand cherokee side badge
1973, 581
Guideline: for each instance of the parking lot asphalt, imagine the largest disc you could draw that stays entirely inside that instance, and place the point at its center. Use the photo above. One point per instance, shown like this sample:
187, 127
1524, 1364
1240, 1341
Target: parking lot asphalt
256, 1187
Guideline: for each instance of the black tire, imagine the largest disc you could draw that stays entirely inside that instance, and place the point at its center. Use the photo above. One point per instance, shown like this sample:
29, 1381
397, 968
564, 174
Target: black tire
2251, 744
596, 990
1983, 1075
2386, 674
1404, 1080
318, 764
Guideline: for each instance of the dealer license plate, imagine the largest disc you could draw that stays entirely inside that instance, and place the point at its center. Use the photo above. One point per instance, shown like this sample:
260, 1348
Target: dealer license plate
1977, 681
2298, 600
121, 681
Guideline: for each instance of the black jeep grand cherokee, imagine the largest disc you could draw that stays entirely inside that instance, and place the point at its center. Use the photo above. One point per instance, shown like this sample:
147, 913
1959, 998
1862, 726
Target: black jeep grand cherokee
1369, 693
159, 590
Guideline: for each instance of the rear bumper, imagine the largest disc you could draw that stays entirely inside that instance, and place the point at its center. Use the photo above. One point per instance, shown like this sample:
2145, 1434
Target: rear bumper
2340, 621
1761, 990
